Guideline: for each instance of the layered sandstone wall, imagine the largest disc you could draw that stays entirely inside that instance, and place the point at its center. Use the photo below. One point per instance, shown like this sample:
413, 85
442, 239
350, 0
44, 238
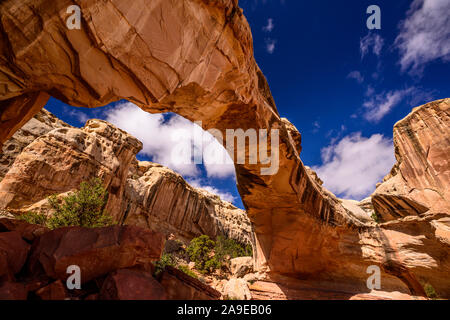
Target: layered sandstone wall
420, 179
160, 199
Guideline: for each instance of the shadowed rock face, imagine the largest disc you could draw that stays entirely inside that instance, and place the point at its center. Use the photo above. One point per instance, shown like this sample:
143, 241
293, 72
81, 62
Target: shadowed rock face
195, 58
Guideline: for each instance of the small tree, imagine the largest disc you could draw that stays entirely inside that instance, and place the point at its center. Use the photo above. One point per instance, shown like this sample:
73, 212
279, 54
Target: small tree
210, 255
230, 247
84, 207
200, 251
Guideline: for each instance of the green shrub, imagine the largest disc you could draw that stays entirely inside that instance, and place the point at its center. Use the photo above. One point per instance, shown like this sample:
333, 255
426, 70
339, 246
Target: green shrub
375, 217
210, 255
166, 260
200, 251
429, 290
84, 207
33, 218
188, 271
230, 247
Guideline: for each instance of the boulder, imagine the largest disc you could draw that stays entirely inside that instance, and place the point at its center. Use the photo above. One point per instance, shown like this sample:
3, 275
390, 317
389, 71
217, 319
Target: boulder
26, 230
241, 266
180, 286
127, 284
97, 251
13, 291
237, 289
54, 291
13, 253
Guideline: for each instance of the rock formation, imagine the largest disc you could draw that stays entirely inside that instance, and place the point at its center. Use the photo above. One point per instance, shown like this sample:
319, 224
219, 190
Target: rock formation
160, 199
145, 194
195, 58
180, 286
115, 263
60, 160
39, 125
420, 179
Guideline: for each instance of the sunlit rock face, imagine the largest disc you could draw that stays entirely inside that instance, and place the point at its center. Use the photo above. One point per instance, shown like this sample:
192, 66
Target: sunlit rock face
39, 125
195, 58
61, 159
420, 180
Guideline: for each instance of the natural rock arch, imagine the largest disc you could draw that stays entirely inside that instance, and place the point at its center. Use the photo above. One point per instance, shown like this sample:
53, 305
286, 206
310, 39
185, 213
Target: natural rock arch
194, 58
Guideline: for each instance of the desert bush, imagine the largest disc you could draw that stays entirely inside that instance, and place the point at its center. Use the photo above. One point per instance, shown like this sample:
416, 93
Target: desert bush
375, 217
210, 255
33, 218
200, 251
84, 207
188, 271
166, 260
230, 247
429, 290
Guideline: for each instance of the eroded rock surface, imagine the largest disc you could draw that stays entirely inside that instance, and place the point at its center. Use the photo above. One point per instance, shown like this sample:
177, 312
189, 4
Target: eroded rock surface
39, 125
160, 199
61, 159
180, 286
420, 179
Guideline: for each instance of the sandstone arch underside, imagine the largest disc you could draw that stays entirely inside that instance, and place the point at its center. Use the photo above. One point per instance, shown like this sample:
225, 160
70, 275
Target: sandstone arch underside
195, 58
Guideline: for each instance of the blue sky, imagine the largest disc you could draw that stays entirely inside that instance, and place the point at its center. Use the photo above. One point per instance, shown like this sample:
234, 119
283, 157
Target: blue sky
342, 85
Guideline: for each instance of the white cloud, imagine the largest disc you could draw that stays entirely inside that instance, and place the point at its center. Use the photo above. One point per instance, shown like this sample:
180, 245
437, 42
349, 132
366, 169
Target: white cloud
196, 183
270, 45
269, 27
371, 41
316, 126
378, 105
172, 142
80, 116
356, 75
352, 167
424, 34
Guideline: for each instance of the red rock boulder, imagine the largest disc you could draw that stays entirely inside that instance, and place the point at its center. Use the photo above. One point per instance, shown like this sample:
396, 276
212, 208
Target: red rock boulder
180, 286
27, 231
13, 253
13, 291
54, 291
128, 284
97, 251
